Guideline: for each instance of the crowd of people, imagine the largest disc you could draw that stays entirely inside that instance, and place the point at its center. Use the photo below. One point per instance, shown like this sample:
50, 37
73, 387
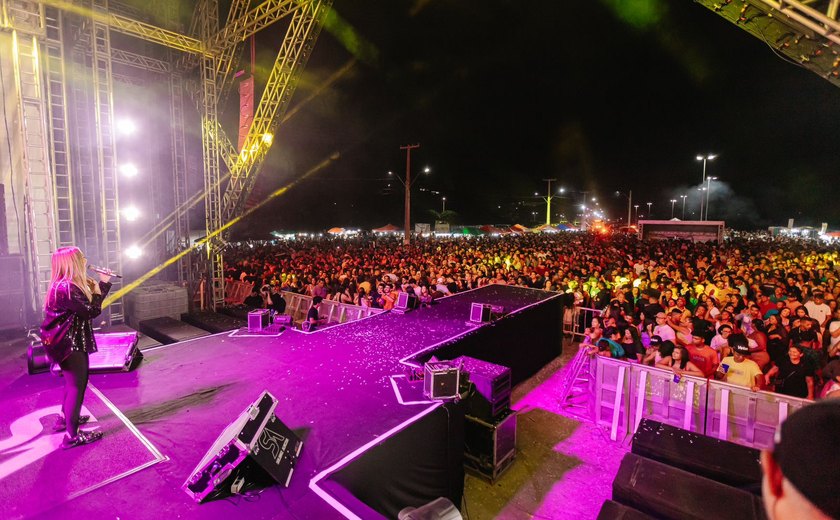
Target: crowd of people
754, 310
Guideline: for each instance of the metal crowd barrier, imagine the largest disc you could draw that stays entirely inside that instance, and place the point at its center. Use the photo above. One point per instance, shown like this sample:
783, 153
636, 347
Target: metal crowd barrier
576, 320
625, 393
297, 306
236, 292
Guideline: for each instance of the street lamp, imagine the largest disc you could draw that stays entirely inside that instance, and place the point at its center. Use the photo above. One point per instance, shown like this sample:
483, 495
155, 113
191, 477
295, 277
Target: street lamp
709, 193
637, 212
443, 199
683, 197
704, 158
673, 201
649, 205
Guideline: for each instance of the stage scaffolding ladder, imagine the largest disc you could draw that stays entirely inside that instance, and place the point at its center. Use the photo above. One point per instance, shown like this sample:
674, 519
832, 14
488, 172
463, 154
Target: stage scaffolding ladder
181, 235
56, 93
26, 16
575, 388
35, 153
210, 148
106, 151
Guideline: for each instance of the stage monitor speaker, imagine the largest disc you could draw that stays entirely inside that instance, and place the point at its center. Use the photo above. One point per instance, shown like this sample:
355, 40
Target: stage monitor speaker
406, 302
12, 295
255, 450
480, 312
258, 320
115, 352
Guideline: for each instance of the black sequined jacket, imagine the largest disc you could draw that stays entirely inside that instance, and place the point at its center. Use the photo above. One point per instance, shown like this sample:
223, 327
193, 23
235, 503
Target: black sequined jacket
67, 325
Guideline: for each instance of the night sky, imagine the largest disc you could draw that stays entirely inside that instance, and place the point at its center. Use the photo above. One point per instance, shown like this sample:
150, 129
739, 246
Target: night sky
604, 95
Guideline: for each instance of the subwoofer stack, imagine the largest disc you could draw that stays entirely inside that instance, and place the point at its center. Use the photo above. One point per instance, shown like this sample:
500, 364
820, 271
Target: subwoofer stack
676, 474
490, 430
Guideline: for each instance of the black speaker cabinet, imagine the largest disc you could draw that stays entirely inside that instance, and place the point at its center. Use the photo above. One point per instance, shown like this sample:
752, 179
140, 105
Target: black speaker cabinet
492, 387
663, 491
722, 461
490, 446
253, 451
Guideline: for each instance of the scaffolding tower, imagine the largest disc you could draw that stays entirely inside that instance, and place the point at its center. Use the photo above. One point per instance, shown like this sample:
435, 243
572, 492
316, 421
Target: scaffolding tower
64, 55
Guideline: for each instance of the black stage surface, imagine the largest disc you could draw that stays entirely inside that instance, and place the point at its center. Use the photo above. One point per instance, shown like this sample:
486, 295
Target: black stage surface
367, 450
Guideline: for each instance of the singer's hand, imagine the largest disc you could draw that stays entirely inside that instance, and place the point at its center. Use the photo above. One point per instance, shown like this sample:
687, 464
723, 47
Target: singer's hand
96, 289
103, 278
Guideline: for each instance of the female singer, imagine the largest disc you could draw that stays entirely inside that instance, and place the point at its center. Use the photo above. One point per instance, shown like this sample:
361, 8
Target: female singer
71, 302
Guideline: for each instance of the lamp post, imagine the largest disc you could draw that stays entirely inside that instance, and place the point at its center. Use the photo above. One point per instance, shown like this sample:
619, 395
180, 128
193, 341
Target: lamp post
673, 201
683, 197
704, 158
443, 199
649, 205
709, 193
637, 212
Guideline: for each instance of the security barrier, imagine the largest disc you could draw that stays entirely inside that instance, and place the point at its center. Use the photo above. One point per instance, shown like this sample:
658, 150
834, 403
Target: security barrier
626, 392
297, 306
576, 320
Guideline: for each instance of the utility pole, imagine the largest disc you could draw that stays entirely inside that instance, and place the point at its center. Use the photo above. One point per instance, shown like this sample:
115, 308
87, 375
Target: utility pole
408, 148
548, 202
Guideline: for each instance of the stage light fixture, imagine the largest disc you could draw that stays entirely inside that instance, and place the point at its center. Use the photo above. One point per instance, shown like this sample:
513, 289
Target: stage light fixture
126, 127
131, 213
267, 139
133, 252
128, 170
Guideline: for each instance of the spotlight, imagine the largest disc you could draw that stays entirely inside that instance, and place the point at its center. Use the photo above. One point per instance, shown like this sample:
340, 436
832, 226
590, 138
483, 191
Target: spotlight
133, 252
128, 170
126, 127
267, 139
131, 213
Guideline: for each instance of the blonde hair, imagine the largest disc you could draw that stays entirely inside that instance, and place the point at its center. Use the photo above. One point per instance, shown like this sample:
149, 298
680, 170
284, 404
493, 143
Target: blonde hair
68, 266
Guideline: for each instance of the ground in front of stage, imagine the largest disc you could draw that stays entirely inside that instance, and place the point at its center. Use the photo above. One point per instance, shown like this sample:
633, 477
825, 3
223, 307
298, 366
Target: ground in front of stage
564, 468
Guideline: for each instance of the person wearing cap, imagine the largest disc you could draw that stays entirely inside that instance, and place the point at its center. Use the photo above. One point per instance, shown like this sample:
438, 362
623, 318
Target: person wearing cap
800, 477
702, 355
738, 369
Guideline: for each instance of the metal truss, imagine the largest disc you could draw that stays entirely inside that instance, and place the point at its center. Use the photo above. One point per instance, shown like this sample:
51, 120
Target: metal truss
254, 21
807, 33
294, 52
106, 151
139, 61
38, 199
24, 16
210, 149
56, 92
180, 238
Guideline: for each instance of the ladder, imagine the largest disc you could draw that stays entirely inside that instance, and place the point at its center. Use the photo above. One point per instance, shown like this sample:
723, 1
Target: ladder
38, 200
575, 387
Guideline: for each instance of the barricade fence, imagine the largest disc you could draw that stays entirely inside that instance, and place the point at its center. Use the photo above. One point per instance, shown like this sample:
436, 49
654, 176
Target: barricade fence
576, 320
625, 393
297, 306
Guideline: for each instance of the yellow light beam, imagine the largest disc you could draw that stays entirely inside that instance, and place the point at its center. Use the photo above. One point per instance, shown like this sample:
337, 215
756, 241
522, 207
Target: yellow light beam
276, 193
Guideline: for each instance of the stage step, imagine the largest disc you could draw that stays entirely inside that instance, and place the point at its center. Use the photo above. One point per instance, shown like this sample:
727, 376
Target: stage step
168, 330
213, 322
721, 461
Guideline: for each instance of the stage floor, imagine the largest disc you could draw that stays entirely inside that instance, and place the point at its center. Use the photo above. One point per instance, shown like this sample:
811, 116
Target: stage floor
334, 388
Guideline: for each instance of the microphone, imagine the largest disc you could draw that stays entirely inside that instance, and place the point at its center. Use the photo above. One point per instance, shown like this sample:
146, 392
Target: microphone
104, 270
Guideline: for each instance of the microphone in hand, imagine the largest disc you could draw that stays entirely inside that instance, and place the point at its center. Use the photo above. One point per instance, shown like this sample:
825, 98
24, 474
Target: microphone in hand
104, 271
